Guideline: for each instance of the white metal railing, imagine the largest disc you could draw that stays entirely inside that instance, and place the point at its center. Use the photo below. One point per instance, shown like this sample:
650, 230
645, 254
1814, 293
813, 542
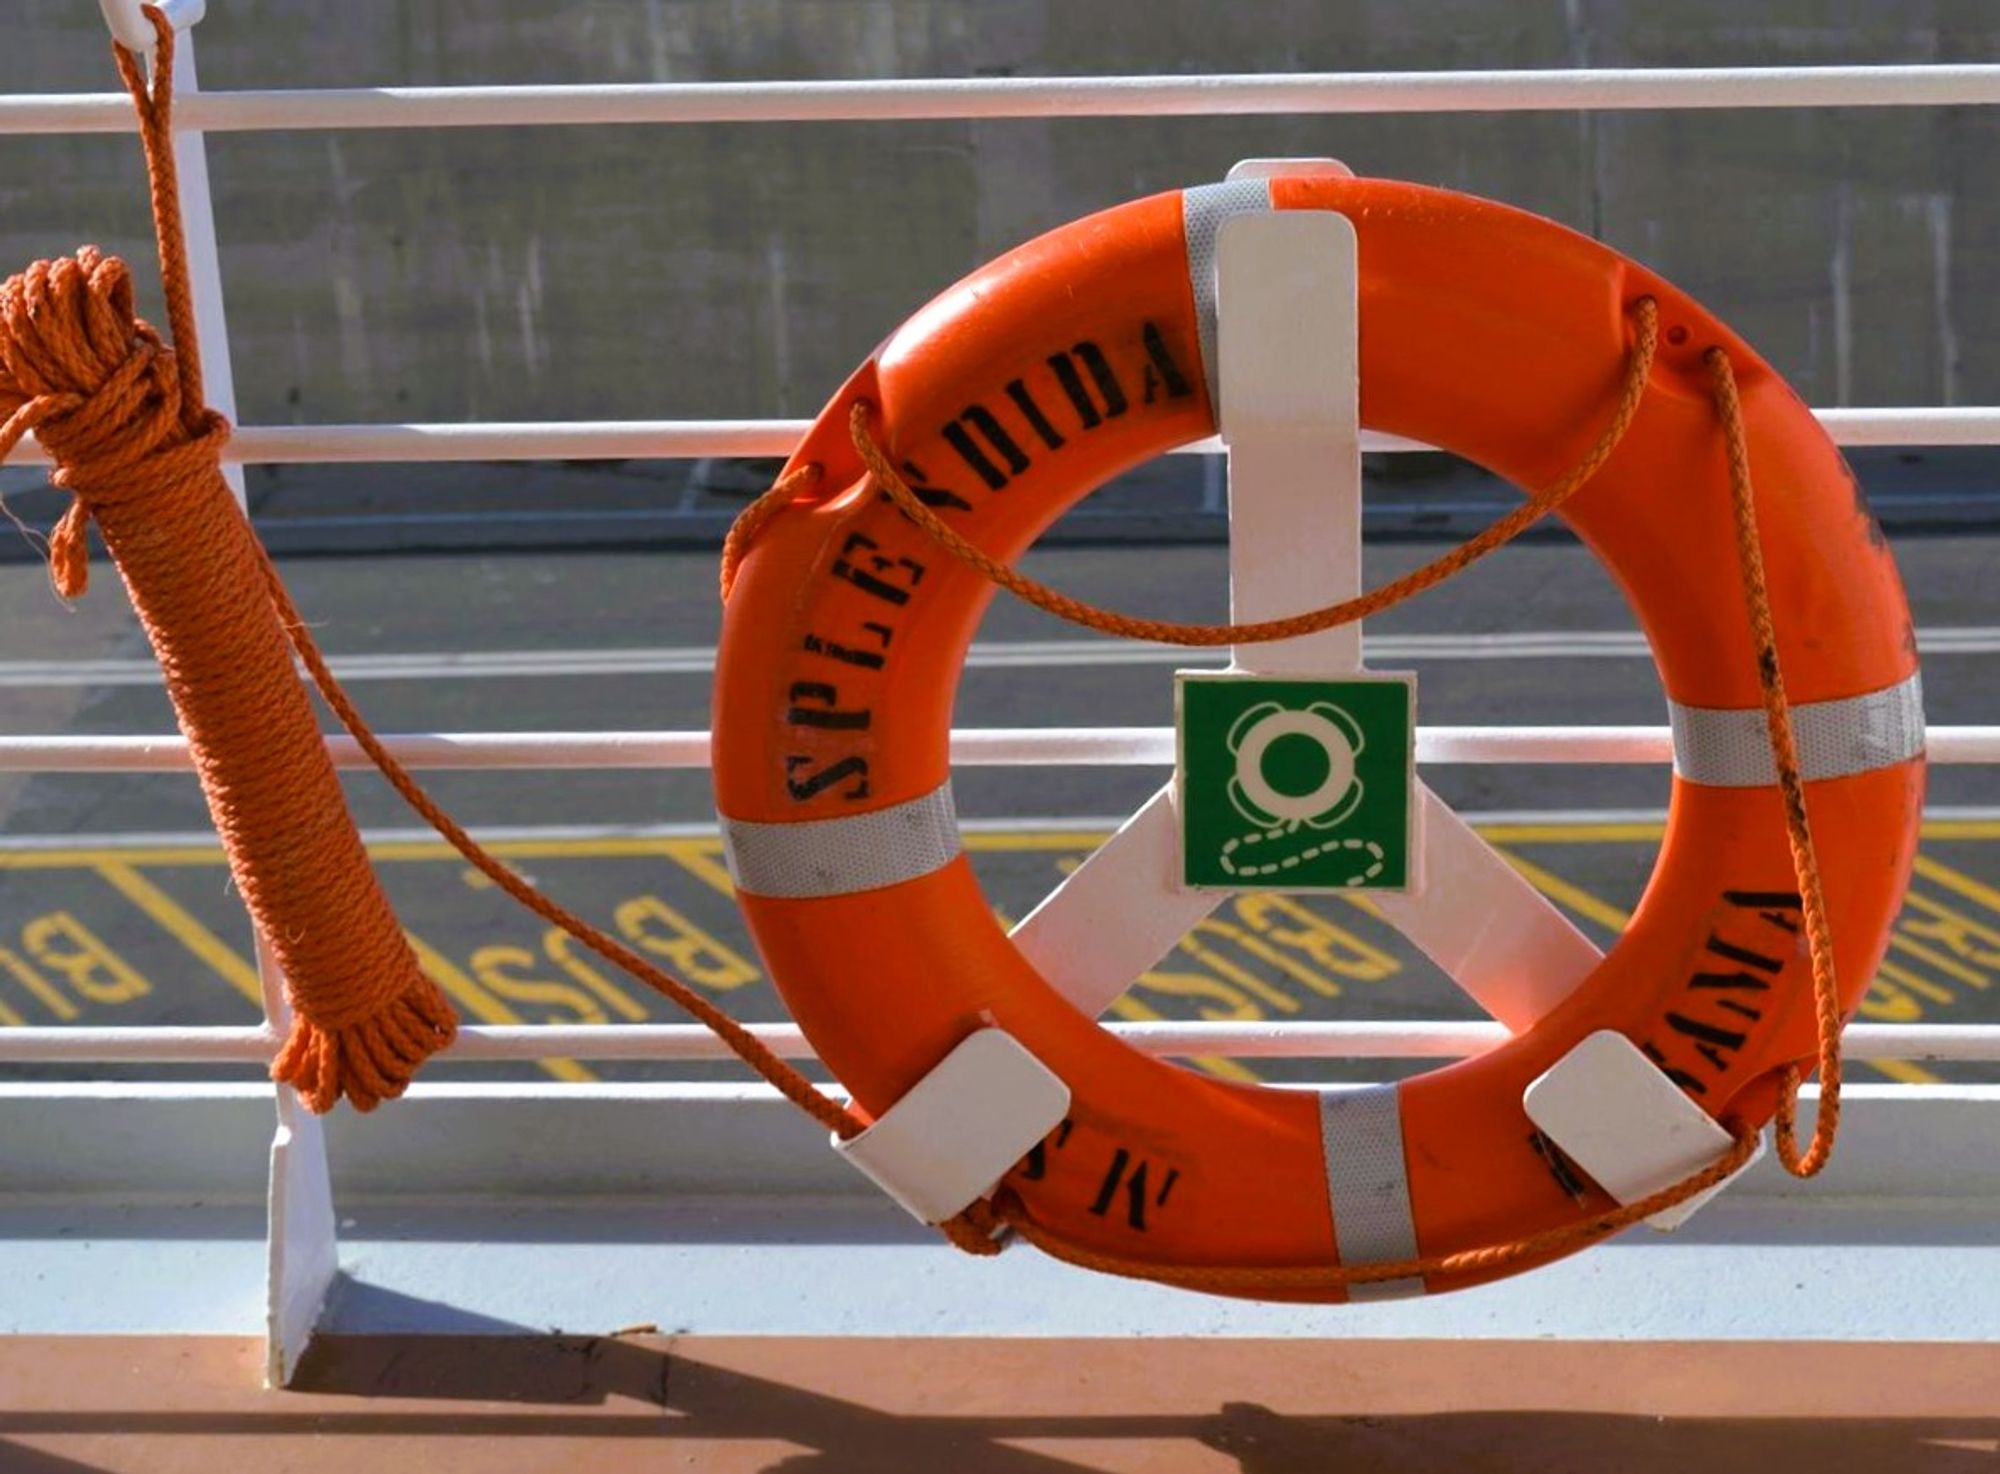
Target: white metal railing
302, 1226
976, 747
1386, 1039
913, 100
617, 440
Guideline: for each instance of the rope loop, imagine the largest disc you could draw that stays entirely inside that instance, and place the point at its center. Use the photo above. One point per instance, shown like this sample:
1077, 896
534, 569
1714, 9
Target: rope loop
1792, 790
751, 520
1632, 391
101, 391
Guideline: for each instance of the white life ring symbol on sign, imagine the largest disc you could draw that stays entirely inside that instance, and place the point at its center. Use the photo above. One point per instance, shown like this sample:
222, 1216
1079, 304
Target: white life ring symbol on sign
1339, 737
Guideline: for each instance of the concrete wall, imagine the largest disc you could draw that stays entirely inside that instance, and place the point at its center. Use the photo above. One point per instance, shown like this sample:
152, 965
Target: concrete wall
741, 270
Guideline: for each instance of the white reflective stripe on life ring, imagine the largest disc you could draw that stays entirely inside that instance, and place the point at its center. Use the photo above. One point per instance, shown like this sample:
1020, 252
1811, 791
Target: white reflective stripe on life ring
837, 857
1368, 1184
1203, 209
1731, 748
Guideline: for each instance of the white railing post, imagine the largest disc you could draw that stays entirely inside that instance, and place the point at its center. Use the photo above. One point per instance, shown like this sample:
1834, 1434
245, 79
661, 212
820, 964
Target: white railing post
302, 1252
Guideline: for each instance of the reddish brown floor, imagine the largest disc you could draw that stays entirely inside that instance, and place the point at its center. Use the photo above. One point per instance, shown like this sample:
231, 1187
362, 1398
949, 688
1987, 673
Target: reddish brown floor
503, 1405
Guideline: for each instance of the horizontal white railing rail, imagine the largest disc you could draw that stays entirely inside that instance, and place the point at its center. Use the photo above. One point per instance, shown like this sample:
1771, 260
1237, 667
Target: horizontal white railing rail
1397, 1039
665, 440
989, 747
556, 440
921, 99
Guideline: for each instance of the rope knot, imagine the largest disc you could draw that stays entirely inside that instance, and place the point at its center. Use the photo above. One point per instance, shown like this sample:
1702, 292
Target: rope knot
102, 393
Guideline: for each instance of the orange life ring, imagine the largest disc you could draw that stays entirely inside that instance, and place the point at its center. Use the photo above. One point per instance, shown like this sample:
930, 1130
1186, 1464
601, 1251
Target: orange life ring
1489, 332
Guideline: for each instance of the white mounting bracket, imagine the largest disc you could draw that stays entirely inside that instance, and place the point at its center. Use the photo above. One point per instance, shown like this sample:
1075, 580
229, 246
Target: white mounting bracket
1614, 1114
1288, 350
131, 29
1288, 169
960, 1129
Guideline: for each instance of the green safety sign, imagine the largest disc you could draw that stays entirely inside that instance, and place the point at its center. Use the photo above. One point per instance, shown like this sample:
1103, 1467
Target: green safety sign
1295, 784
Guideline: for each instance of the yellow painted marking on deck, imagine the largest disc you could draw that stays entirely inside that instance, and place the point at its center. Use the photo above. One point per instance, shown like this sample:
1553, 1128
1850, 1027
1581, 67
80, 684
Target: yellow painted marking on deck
477, 1001
700, 862
1961, 829
90, 859
10, 1019
1243, 978
1949, 966
1907, 1072
1916, 900
1036, 839
1922, 986
1263, 951
1564, 893
1131, 1009
1955, 880
607, 847
1582, 832
1652, 831
19, 969
174, 919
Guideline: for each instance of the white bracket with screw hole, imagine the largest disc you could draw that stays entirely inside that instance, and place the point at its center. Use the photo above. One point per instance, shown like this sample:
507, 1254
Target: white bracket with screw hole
1614, 1114
956, 1133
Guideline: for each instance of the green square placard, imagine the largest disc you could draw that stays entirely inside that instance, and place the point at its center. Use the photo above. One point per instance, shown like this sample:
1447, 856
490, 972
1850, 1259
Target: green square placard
1295, 784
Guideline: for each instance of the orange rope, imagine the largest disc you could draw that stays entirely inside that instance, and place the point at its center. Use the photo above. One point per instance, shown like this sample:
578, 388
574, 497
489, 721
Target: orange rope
1791, 787
747, 1046
1638, 368
750, 521
122, 418
112, 404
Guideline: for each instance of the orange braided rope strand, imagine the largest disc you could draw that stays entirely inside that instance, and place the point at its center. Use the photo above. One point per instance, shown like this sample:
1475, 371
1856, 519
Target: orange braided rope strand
1638, 369
750, 521
121, 415
1791, 786
747, 1047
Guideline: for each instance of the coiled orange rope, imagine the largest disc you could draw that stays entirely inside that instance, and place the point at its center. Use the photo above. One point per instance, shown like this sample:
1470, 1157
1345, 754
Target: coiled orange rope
113, 405
121, 415
1792, 790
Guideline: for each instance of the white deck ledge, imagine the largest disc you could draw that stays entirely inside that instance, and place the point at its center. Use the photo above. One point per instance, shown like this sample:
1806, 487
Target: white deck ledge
590, 1207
